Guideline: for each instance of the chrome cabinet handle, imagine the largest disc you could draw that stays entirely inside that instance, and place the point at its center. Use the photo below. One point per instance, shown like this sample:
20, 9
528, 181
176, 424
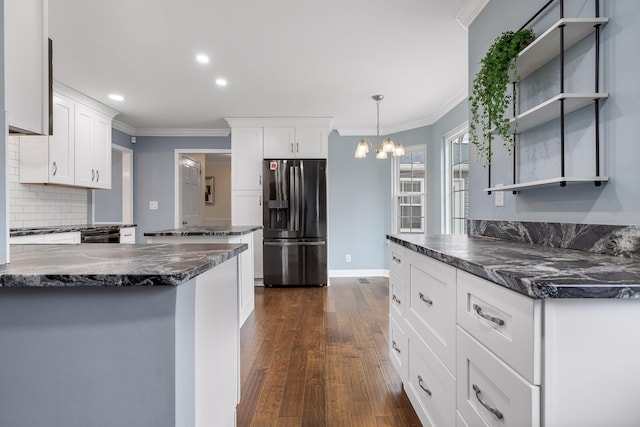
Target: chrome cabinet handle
422, 297
395, 346
259, 200
97, 175
396, 299
93, 175
396, 259
420, 383
297, 147
496, 320
292, 147
55, 169
491, 409
260, 179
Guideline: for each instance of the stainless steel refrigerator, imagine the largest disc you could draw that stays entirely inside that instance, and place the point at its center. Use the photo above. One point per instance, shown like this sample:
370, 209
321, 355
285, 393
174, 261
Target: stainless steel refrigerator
295, 222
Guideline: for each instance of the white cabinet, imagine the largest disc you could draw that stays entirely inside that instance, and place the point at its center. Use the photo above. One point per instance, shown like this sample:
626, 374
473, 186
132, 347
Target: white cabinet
296, 142
246, 209
27, 65
69, 238
128, 235
93, 148
246, 159
79, 151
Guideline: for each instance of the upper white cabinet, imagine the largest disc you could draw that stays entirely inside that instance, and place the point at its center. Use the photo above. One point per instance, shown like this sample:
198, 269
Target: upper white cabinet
93, 148
246, 158
296, 142
26, 51
79, 151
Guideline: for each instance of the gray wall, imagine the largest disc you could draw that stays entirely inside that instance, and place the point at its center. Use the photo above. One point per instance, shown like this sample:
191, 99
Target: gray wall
617, 202
153, 161
359, 205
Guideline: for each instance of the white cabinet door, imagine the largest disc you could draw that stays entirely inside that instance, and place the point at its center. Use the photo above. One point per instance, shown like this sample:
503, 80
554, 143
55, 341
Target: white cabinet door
102, 151
311, 142
61, 143
246, 209
246, 159
85, 173
27, 65
279, 143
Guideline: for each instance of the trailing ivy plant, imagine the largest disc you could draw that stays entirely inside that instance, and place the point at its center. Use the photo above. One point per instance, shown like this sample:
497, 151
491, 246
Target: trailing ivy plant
489, 95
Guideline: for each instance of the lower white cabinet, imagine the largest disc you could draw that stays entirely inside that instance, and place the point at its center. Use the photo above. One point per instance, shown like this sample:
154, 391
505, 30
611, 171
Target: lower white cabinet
70, 238
579, 372
246, 209
128, 235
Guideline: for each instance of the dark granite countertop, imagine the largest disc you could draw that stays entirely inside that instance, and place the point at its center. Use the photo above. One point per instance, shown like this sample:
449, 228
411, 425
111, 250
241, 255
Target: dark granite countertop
112, 264
30, 231
237, 230
533, 270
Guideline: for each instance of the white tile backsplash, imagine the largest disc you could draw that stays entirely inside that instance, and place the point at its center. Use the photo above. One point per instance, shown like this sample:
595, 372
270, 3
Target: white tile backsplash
36, 205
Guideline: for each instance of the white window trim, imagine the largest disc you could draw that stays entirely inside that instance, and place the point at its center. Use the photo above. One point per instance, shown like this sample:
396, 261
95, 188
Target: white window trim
410, 194
446, 194
396, 188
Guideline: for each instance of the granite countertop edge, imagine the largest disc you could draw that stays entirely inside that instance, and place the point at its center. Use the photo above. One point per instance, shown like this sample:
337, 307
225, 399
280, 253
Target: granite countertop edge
566, 285
14, 275
236, 230
32, 231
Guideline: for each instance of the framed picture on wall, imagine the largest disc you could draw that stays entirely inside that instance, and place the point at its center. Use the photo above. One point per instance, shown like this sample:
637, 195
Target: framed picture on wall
209, 190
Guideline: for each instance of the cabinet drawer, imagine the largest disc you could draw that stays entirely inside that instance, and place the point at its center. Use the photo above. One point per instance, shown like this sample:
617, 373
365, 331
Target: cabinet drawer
432, 387
507, 323
396, 295
398, 263
431, 307
490, 393
398, 348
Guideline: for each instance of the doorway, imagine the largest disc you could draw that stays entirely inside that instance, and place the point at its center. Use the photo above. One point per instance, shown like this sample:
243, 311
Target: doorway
190, 191
215, 188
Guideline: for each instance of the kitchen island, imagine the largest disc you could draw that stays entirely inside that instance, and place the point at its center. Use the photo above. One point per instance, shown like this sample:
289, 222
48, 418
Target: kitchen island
221, 234
485, 331
115, 335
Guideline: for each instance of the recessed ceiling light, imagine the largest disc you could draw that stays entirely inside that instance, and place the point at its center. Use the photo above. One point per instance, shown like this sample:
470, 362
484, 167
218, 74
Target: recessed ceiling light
202, 58
116, 97
221, 82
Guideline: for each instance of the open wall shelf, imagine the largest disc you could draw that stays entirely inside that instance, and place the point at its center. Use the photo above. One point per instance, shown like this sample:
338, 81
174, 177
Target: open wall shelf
545, 47
561, 181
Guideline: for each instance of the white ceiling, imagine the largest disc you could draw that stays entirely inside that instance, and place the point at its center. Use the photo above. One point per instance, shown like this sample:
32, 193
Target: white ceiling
282, 58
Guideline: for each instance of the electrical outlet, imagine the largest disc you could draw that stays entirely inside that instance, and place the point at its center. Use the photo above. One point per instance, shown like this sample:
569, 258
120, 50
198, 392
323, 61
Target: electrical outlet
499, 197
347, 257
153, 205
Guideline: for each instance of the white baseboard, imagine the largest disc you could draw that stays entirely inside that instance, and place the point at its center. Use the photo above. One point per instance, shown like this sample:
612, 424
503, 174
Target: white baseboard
358, 273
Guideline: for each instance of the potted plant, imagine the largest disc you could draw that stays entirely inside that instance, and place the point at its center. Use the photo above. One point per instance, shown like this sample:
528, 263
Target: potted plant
489, 95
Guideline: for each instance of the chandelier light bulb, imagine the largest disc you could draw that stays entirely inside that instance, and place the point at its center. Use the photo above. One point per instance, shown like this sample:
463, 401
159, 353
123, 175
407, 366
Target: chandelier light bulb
387, 146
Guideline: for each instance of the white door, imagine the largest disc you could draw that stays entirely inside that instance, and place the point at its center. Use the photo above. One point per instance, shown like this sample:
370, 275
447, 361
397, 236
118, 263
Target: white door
85, 173
246, 209
191, 197
246, 159
61, 143
311, 142
102, 151
279, 143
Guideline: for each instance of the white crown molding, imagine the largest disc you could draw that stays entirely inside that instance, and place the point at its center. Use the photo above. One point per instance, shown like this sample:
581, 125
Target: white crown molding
456, 99
182, 132
358, 273
81, 98
280, 121
470, 11
123, 127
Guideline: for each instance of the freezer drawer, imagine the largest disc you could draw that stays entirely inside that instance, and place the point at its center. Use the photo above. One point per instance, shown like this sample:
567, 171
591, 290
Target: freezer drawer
295, 263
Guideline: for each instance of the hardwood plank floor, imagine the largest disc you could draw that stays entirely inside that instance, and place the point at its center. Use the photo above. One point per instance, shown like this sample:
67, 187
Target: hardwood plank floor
318, 357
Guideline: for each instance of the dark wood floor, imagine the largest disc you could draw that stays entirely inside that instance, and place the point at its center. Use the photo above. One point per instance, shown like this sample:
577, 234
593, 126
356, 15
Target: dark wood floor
318, 357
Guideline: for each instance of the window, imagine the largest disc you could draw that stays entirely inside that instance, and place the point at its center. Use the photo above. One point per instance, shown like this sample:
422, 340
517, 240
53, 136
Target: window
410, 189
457, 203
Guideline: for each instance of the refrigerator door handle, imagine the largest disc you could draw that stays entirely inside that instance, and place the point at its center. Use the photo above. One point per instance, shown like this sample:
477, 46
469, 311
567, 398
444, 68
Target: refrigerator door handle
292, 199
296, 183
301, 195
322, 243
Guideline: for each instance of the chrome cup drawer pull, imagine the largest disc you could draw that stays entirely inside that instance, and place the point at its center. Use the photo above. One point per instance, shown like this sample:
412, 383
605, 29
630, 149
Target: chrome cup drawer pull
396, 299
491, 409
421, 384
496, 320
396, 259
395, 346
425, 299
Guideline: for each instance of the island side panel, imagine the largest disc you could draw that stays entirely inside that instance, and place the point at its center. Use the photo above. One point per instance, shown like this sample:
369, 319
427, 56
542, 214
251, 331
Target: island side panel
185, 391
217, 346
87, 356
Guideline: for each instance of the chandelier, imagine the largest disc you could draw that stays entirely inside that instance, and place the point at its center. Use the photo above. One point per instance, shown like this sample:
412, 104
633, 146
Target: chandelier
387, 146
